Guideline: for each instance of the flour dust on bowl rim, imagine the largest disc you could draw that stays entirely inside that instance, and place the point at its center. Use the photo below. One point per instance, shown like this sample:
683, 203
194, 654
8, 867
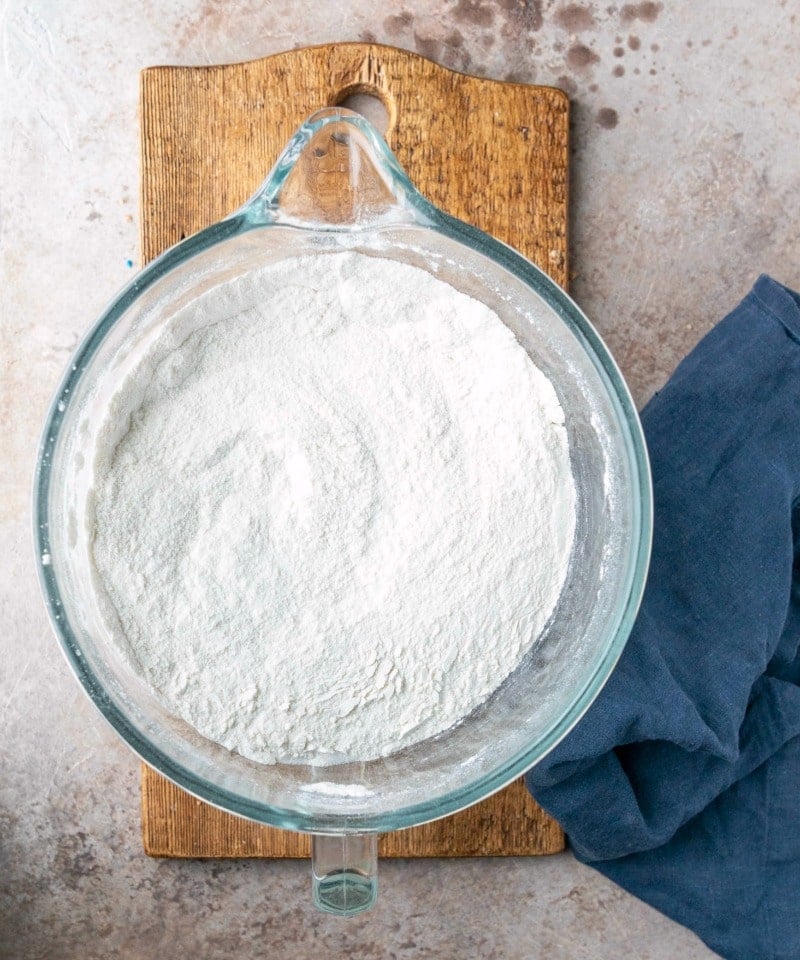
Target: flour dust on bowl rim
335, 188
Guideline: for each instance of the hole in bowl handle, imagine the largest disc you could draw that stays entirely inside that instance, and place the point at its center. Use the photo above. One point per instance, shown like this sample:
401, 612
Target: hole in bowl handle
344, 872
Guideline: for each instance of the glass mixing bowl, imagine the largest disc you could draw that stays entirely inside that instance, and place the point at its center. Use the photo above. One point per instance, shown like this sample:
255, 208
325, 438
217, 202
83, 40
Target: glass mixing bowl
337, 186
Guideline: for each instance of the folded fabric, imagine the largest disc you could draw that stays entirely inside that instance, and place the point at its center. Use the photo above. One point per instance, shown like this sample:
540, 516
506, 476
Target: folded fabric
682, 782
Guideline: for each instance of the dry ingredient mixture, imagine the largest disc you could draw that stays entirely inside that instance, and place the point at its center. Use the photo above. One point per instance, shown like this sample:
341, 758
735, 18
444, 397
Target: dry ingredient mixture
332, 507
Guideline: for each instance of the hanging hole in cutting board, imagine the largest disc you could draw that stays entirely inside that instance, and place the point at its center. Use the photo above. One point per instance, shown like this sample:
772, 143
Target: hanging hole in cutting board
369, 105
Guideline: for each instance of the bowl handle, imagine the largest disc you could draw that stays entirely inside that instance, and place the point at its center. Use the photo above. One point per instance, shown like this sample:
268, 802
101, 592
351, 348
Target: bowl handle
344, 872
336, 173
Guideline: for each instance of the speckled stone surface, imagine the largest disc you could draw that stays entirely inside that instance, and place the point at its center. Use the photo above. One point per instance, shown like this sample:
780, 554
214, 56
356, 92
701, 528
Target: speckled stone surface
685, 186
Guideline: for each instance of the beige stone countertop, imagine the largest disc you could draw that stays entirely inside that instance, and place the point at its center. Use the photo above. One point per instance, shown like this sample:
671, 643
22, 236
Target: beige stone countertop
684, 188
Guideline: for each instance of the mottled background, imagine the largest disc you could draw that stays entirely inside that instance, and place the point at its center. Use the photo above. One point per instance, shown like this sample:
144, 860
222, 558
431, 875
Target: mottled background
684, 188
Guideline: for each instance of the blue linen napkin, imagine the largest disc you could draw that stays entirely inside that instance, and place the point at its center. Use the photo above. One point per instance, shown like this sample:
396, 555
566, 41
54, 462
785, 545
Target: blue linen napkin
682, 782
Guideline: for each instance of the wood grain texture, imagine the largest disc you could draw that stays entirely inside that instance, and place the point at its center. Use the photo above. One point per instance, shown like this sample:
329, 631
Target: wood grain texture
508, 824
493, 154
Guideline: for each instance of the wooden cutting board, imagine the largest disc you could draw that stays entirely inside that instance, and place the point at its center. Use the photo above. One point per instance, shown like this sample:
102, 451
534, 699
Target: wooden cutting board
494, 154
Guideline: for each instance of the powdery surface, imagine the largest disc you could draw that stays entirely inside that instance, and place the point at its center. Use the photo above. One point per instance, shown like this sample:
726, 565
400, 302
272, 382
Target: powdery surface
342, 512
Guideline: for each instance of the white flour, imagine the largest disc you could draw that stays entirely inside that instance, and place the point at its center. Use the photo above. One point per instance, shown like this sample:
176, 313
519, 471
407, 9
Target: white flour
332, 508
